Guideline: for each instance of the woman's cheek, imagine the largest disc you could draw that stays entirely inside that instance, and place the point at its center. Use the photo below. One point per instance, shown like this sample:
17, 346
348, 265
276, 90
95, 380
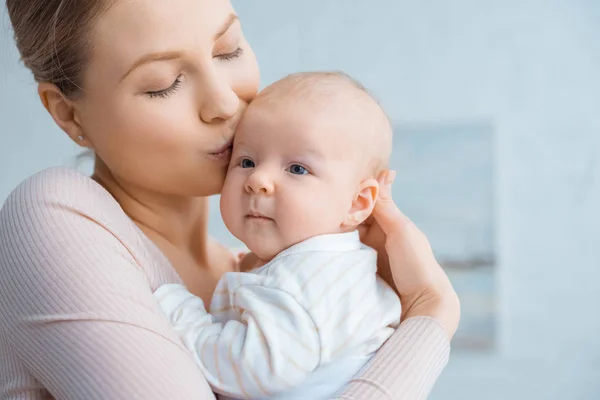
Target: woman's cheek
246, 77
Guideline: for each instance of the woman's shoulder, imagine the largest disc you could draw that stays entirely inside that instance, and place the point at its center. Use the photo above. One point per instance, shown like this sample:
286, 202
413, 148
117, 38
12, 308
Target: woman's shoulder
64, 195
59, 186
61, 208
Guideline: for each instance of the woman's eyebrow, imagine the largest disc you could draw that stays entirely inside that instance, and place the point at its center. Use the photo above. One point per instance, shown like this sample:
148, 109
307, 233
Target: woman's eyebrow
172, 55
230, 21
153, 57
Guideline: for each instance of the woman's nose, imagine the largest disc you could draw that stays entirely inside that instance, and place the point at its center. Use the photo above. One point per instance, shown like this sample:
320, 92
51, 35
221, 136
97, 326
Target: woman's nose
259, 182
218, 100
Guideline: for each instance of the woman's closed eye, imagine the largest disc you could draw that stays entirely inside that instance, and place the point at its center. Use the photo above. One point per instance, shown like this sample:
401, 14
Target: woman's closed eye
230, 56
165, 93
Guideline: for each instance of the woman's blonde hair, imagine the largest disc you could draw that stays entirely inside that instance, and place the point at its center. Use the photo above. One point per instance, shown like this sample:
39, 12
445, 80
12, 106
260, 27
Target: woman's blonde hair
53, 38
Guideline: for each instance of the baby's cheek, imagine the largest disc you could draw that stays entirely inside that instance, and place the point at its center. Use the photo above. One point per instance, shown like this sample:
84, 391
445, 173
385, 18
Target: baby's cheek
330, 207
307, 220
230, 204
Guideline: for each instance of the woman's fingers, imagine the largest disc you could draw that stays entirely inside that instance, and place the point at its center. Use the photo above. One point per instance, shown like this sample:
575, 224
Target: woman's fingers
386, 179
423, 286
388, 215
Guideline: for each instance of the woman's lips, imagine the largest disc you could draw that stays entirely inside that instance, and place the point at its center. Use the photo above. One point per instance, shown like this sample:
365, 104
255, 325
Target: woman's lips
224, 152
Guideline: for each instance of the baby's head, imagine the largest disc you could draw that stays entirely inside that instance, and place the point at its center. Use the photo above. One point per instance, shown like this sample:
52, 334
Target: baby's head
305, 162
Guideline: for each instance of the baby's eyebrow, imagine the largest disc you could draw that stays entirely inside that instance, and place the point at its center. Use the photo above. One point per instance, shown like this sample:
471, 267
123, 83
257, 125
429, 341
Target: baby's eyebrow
310, 152
238, 144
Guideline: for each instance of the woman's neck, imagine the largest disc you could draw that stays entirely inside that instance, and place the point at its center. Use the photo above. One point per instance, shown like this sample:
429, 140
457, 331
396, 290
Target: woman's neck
174, 221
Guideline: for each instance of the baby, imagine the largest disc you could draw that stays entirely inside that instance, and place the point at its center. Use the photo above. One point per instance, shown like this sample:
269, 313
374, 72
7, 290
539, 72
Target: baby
302, 178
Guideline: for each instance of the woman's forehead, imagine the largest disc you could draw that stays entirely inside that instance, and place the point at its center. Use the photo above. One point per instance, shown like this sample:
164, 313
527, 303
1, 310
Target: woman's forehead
132, 29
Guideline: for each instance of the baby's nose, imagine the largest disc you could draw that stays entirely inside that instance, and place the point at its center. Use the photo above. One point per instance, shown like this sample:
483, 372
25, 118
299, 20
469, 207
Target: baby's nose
259, 182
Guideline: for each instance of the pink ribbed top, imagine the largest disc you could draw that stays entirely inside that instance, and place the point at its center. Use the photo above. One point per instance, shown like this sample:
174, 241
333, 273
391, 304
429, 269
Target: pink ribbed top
78, 320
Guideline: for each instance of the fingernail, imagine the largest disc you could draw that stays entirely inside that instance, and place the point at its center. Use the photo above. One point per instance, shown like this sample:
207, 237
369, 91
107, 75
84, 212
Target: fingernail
390, 177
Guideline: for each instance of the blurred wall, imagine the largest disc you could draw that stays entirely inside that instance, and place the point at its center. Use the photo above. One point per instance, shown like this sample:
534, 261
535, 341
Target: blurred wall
529, 68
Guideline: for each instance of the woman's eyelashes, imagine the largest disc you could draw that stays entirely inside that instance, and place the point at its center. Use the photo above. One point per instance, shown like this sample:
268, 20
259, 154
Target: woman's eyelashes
230, 56
165, 93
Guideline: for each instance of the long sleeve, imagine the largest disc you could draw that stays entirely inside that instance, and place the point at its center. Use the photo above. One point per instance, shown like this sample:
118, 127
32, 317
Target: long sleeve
406, 367
272, 346
77, 316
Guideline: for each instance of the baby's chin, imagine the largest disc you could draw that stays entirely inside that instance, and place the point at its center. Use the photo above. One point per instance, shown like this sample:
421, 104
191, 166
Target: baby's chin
265, 253
264, 246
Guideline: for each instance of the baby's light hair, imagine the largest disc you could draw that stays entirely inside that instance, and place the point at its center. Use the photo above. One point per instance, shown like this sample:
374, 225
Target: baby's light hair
305, 83
320, 87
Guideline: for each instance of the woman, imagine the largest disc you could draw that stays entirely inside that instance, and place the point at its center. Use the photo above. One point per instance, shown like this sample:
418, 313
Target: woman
156, 89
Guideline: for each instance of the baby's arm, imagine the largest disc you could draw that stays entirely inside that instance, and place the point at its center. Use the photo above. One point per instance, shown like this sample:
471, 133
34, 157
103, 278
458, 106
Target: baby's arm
272, 346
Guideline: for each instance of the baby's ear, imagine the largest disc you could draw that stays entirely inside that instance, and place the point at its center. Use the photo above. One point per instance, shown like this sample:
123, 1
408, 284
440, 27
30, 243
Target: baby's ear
363, 203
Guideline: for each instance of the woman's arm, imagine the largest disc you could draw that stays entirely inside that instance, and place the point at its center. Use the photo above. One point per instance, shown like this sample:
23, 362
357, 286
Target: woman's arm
408, 365
76, 308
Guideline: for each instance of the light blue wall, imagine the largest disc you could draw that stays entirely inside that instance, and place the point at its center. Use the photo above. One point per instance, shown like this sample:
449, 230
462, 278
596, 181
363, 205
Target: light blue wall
530, 68
29, 140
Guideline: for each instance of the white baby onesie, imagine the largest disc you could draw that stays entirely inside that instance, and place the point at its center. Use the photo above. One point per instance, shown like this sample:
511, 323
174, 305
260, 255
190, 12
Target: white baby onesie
299, 327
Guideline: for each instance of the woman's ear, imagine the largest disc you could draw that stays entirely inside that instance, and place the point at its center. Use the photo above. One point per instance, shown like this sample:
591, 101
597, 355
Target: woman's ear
63, 111
363, 203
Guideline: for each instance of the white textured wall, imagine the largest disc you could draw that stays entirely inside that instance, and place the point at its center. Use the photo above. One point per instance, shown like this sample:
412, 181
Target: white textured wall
531, 68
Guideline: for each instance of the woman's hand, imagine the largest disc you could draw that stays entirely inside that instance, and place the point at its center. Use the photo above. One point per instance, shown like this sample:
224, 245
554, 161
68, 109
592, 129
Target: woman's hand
407, 263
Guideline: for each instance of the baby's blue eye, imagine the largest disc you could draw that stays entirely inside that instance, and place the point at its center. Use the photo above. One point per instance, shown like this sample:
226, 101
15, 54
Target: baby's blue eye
247, 163
297, 170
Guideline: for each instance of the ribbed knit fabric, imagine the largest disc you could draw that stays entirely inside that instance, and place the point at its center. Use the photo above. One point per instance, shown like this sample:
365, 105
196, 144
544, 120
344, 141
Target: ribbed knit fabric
78, 320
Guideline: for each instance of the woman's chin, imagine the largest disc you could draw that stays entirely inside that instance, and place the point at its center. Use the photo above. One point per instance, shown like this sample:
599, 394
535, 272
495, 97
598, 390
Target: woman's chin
202, 186
207, 189
209, 181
